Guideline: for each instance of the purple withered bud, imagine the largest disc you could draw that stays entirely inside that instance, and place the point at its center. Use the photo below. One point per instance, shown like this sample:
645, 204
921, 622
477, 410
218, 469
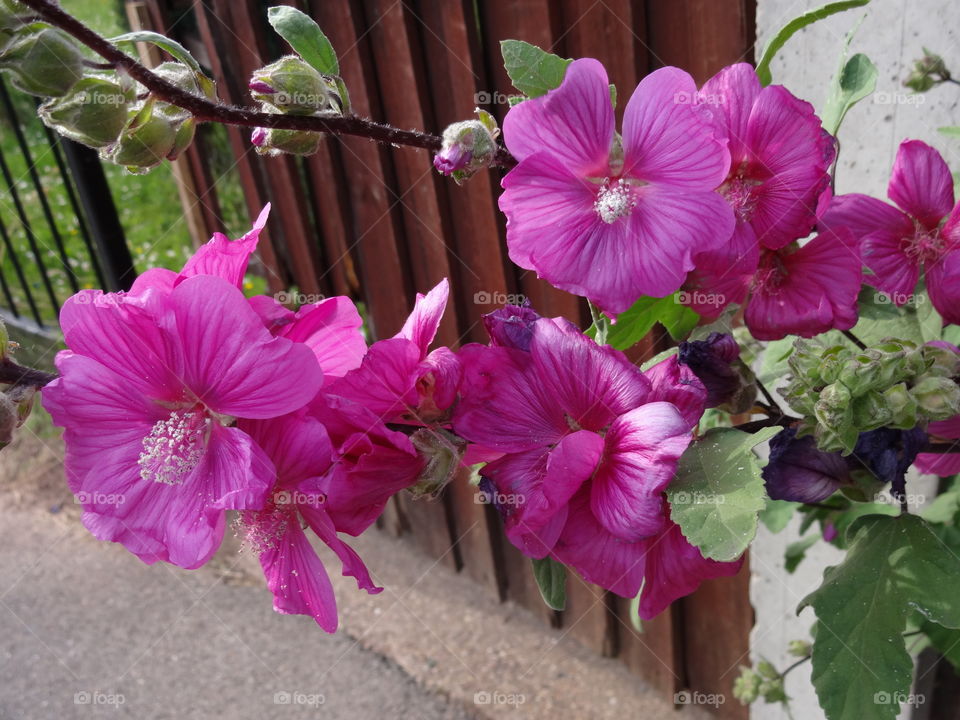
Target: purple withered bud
468, 146
830, 532
716, 362
452, 158
258, 86
799, 472
888, 453
511, 326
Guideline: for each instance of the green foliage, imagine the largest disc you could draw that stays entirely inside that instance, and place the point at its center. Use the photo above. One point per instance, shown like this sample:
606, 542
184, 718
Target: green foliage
777, 514
855, 81
795, 25
305, 37
718, 492
861, 667
533, 71
633, 325
551, 578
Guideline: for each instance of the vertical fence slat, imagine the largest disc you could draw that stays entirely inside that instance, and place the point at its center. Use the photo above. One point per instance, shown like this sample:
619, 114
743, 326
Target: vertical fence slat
653, 652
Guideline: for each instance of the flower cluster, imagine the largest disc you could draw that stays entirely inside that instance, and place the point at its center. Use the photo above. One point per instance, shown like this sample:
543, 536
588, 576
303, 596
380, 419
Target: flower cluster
183, 399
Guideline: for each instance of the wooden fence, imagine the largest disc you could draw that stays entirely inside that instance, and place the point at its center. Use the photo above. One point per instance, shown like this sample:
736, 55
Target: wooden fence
379, 224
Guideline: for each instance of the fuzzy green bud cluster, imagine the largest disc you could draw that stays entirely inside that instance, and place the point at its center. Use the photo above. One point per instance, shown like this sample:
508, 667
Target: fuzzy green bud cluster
290, 86
928, 71
468, 146
38, 58
841, 392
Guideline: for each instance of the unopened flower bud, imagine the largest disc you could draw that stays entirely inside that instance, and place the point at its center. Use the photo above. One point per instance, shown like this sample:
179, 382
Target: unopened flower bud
291, 86
9, 419
511, 326
468, 146
93, 112
443, 452
799, 472
42, 60
938, 398
927, 72
146, 140
941, 359
902, 405
870, 411
182, 138
274, 141
12, 16
799, 648
746, 688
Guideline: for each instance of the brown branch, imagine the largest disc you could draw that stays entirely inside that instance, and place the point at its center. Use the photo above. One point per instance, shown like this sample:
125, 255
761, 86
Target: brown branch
13, 374
207, 111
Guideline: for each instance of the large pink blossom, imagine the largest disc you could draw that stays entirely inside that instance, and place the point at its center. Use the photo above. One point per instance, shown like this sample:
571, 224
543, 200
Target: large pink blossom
608, 225
588, 444
920, 235
147, 395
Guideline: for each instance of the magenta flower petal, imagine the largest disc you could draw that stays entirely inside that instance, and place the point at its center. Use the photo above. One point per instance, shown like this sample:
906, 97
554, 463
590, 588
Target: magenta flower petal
159, 279
921, 183
862, 215
331, 329
731, 94
226, 258
439, 382
233, 364
353, 565
386, 380
296, 577
238, 474
668, 139
573, 124
598, 555
422, 324
675, 568
943, 286
678, 385
534, 485
722, 275
642, 449
894, 272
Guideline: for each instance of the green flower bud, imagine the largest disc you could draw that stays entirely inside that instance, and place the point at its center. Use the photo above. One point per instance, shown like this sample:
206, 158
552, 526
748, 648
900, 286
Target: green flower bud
832, 363
766, 670
746, 688
93, 112
291, 86
772, 690
870, 411
443, 451
468, 146
146, 140
273, 141
938, 398
9, 419
941, 361
42, 60
902, 405
183, 138
927, 72
4, 341
799, 648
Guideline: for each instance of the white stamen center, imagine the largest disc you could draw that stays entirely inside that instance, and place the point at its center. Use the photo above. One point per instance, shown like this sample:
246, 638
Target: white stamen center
174, 447
614, 201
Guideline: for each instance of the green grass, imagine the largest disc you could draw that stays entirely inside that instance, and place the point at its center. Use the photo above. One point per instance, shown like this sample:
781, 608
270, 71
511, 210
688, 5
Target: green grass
148, 205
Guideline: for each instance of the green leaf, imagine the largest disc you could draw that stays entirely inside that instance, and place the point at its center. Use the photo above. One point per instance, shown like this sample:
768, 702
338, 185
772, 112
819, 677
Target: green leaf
916, 321
798, 23
551, 578
860, 661
659, 358
718, 492
777, 514
797, 551
855, 80
176, 50
633, 324
952, 131
305, 37
946, 641
635, 612
533, 71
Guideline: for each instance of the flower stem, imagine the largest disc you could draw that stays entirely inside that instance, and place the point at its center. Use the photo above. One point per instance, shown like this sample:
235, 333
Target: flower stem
207, 111
13, 374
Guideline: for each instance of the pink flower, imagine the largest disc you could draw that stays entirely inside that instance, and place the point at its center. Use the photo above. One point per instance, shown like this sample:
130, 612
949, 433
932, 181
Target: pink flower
795, 290
570, 416
608, 227
307, 475
399, 379
942, 464
922, 235
148, 393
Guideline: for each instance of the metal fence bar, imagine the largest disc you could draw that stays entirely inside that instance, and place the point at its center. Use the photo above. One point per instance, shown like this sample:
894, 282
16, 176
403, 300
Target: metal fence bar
35, 178
15, 260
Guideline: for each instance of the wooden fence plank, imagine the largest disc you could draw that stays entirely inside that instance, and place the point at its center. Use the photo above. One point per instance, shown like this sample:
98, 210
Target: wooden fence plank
655, 651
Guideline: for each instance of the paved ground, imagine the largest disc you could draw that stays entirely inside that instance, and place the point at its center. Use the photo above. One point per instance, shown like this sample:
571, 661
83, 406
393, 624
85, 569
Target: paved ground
88, 631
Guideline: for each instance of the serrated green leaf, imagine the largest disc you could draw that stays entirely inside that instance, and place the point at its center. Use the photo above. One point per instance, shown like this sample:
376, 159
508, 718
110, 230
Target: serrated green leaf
305, 37
533, 71
776, 515
551, 578
855, 80
633, 324
895, 565
718, 492
946, 641
795, 25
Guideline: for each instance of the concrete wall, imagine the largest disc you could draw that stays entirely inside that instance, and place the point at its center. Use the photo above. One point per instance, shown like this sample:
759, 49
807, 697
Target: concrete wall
892, 34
